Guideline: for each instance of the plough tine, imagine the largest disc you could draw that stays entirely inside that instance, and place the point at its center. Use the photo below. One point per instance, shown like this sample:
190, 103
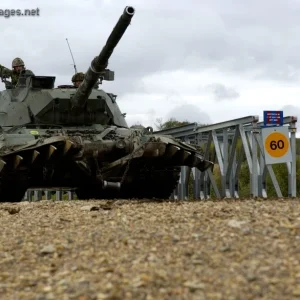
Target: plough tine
17, 161
35, 154
51, 150
68, 146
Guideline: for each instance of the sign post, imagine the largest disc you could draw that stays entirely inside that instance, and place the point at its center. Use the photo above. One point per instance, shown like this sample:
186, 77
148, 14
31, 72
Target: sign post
273, 118
276, 139
276, 145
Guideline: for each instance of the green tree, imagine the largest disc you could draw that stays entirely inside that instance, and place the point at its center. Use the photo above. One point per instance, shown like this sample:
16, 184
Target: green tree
171, 123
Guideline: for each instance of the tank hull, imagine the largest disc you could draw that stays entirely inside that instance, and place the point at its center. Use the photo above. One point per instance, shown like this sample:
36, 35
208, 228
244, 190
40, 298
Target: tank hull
104, 163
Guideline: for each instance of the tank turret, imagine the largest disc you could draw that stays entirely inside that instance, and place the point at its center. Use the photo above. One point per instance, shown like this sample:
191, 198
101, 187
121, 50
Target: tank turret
100, 62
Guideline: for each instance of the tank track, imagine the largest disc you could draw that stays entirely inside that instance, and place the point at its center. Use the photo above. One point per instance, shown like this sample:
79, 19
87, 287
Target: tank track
153, 174
151, 182
21, 169
146, 182
152, 171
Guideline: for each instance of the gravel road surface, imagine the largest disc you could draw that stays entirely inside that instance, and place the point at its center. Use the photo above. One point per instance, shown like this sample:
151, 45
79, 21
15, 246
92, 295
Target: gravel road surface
247, 249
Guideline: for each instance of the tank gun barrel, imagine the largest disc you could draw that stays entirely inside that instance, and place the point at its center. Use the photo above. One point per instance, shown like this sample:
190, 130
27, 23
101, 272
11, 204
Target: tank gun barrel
100, 62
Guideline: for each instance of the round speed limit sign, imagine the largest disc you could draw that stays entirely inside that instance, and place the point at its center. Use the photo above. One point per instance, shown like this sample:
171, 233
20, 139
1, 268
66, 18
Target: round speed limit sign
276, 144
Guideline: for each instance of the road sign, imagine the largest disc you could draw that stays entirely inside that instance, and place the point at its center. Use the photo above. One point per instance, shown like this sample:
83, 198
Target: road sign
273, 118
276, 145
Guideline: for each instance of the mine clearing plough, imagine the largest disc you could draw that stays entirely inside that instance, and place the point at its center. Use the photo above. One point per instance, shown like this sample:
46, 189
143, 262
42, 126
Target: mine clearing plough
47, 161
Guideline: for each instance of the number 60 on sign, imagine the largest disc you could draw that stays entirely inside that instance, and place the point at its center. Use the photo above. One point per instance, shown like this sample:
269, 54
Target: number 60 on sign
276, 145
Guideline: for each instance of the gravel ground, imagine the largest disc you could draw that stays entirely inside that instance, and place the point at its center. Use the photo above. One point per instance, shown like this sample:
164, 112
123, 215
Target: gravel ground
150, 250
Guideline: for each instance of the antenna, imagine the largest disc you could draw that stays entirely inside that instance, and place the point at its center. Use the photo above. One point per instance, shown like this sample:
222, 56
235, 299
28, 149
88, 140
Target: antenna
72, 56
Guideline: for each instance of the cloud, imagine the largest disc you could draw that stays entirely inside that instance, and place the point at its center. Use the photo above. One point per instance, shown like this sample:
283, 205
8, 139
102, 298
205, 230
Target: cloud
163, 36
292, 110
148, 118
174, 58
190, 113
222, 92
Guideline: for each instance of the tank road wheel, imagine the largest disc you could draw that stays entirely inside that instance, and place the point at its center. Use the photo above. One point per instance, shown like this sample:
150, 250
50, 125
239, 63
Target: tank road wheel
148, 182
154, 183
87, 192
13, 186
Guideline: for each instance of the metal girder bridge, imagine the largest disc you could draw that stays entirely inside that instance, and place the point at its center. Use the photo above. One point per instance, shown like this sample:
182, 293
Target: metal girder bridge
230, 143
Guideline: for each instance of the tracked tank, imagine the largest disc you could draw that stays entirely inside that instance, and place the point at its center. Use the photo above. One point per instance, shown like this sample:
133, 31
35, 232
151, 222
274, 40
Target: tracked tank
78, 137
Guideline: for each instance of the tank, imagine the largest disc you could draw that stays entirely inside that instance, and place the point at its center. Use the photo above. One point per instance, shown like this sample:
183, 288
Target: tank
52, 137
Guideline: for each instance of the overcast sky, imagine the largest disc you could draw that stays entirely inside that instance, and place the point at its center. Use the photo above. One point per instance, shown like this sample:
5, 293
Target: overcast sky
202, 61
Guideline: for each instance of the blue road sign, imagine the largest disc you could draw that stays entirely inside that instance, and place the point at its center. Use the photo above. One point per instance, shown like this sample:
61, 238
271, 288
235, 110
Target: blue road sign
273, 117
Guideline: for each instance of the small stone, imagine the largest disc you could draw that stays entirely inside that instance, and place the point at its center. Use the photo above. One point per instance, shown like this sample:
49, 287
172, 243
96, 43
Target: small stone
90, 208
296, 292
48, 249
105, 207
63, 282
225, 248
50, 296
197, 262
251, 277
41, 297
47, 288
193, 286
13, 210
236, 224
197, 236
101, 296
246, 230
